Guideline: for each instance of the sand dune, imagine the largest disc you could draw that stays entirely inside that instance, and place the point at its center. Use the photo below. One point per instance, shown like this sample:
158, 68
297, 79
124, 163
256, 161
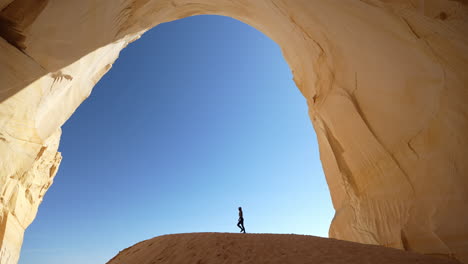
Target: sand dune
216, 248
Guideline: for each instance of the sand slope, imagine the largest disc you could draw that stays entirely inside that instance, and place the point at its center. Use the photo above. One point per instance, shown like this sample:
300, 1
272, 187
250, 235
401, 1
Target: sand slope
216, 248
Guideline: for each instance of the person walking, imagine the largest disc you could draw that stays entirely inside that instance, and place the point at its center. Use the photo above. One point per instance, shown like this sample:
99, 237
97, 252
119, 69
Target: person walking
240, 223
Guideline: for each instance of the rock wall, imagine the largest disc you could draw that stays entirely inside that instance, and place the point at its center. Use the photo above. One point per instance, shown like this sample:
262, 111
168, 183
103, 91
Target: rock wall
386, 82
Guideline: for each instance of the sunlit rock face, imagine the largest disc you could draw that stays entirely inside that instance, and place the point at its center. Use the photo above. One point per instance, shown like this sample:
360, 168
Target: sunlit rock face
386, 83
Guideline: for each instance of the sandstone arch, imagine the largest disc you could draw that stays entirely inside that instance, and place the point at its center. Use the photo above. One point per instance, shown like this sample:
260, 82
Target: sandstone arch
385, 81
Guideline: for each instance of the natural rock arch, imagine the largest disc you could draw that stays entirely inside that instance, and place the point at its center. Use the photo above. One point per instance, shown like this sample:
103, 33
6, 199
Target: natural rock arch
385, 82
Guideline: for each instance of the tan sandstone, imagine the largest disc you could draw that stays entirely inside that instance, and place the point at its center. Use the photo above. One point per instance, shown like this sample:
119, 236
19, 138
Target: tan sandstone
386, 82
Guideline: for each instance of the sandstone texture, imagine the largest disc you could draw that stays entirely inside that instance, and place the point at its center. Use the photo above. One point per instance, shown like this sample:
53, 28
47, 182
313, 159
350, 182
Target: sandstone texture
217, 248
386, 82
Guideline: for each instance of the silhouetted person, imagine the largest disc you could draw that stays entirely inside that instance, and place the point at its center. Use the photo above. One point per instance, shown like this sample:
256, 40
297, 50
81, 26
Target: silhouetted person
240, 224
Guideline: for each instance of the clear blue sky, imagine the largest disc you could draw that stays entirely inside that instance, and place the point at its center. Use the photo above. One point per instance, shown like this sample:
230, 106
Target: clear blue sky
196, 118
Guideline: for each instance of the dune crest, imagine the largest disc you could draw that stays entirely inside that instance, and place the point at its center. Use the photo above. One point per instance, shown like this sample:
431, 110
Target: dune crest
218, 248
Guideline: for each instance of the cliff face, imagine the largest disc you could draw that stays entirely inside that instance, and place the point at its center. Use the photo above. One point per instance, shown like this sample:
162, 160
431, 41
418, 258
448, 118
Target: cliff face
386, 83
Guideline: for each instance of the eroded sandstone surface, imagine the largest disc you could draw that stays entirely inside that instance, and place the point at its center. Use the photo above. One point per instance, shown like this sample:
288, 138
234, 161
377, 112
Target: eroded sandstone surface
386, 82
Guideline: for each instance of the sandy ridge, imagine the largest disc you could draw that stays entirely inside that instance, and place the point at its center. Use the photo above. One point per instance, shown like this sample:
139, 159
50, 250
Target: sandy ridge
216, 248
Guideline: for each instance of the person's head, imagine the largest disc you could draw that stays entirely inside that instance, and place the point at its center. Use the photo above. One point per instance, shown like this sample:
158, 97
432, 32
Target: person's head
240, 208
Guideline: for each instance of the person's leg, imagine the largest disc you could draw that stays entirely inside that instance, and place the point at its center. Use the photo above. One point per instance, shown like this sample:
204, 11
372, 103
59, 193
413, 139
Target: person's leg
239, 225
243, 228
